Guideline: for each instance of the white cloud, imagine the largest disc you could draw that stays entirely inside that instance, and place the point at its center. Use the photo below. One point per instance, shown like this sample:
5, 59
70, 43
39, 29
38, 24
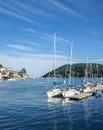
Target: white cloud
64, 8
20, 47
31, 30
36, 65
98, 60
29, 11
18, 10
58, 38
16, 15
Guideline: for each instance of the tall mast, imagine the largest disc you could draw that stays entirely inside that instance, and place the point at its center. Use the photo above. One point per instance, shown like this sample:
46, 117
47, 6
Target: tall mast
70, 63
54, 56
91, 72
97, 71
86, 72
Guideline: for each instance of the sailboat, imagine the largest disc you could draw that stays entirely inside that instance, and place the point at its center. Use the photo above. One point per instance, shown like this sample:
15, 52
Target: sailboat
70, 91
56, 91
87, 86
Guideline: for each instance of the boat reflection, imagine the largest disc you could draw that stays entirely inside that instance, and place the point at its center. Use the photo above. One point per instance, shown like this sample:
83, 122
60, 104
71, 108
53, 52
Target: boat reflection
62, 101
56, 107
54, 100
87, 113
66, 101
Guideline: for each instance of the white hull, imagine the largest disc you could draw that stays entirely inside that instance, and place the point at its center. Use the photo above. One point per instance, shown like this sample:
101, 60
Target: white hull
88, 90
70, 92
54, 93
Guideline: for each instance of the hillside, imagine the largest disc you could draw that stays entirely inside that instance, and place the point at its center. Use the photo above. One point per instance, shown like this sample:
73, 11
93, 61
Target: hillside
8, 73
78, 70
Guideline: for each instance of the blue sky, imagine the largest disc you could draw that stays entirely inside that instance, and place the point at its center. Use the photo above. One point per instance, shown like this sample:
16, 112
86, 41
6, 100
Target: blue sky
27, 28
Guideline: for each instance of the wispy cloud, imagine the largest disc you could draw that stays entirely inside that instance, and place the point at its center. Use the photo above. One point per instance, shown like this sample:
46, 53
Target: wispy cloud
20, 47
64, 9
8, 6
98, 60
26, 10
36, 65
31, 30
85, 9
47, 36
16, 15
58, 38
15, 9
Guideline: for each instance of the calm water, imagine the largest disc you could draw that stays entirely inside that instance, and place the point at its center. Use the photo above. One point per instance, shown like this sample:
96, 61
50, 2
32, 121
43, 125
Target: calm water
24, 105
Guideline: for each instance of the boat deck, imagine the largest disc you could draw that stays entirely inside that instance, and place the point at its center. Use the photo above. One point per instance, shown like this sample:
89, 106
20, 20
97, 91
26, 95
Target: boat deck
81, 96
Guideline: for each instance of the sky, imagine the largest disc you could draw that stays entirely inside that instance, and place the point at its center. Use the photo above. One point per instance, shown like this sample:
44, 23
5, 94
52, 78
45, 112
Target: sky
27, 30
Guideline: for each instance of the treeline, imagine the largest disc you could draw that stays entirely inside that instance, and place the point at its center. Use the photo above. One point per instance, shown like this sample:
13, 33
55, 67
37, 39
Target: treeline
78, 70
20, 73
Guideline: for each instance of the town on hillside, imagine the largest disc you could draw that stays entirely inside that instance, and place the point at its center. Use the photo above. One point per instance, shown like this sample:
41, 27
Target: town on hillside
9, 74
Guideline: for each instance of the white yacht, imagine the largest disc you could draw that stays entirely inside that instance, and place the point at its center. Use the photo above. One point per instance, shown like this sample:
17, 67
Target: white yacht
68, 92
56, 90
88, 89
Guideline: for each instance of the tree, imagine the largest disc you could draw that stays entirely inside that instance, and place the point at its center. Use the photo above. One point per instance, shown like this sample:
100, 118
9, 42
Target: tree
1, 66
22, 72
78, 70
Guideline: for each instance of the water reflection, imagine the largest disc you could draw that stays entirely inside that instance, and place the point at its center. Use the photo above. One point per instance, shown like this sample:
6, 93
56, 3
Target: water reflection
63, 101
62, 108
54, 100
66, 101
68, 113
87, 113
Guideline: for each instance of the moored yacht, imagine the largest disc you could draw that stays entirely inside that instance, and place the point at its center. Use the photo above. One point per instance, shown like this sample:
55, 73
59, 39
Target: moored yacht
56, 91
70, 92
88, 89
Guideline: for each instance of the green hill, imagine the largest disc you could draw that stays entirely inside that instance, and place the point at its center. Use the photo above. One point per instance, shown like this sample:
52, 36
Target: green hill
78, 70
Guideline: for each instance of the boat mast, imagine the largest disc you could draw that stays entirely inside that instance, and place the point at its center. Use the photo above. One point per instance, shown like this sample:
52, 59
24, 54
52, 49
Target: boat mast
91, 72
70, 63
97, 72
54, 56
86, 72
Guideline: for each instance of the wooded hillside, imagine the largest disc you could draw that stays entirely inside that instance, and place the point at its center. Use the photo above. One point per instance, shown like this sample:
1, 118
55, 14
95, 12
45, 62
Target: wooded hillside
78, 70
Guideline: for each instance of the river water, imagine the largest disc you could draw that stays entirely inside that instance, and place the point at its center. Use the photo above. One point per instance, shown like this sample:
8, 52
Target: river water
24, 105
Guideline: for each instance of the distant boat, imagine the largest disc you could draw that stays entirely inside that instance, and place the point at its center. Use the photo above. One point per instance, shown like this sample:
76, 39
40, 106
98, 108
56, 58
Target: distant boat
56, 91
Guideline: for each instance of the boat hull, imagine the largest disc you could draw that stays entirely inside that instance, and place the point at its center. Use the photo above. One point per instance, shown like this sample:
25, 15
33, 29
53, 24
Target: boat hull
69, 93
54, 93
88, 89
